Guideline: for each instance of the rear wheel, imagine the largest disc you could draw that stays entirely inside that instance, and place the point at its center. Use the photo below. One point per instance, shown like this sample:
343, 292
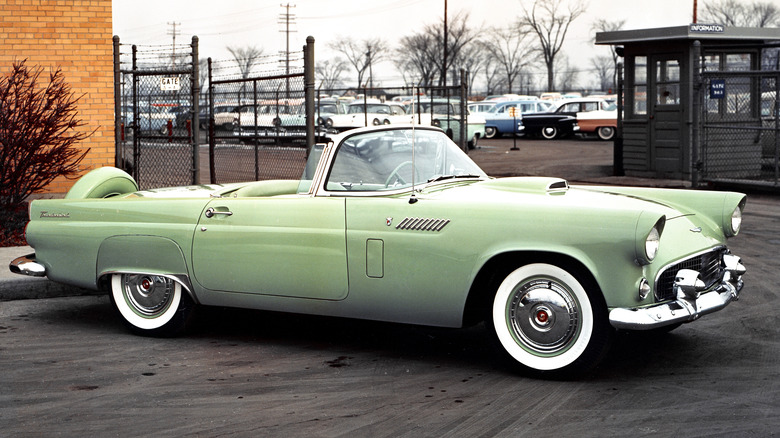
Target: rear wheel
606, 132
151, 305
545, 320
490, 131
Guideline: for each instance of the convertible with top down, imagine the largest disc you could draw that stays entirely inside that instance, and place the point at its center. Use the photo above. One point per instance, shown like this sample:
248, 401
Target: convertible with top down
396, 223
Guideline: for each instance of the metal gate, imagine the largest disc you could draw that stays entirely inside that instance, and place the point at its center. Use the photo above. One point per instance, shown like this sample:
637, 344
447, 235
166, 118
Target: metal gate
260, 128
739, 127
156, 114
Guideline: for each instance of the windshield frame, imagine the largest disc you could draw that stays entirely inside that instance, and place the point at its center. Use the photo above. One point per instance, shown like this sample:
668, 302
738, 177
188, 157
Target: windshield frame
361, 184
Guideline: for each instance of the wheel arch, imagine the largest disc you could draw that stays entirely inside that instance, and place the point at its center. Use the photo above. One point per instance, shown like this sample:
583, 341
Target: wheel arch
143, 254
482, 290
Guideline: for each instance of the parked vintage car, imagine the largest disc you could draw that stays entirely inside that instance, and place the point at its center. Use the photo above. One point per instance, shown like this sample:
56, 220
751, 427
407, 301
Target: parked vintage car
367, 113
154, 117
396, 223
445, 114
602, 123
561, 121
323, 109
507, 117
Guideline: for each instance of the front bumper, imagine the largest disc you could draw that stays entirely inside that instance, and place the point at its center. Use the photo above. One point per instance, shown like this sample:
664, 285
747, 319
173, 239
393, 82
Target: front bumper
26, 265
691, 303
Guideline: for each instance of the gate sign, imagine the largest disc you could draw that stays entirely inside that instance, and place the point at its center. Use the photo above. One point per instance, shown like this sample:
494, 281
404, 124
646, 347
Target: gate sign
170, 84
717, 89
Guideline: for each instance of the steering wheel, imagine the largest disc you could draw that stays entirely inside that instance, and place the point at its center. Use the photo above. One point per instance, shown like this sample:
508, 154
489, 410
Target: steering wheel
394, 174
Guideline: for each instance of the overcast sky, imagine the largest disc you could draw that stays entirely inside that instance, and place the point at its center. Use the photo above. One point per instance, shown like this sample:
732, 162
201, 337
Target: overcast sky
242, 23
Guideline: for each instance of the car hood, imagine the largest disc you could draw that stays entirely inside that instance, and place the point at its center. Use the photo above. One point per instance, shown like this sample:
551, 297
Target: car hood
554, 194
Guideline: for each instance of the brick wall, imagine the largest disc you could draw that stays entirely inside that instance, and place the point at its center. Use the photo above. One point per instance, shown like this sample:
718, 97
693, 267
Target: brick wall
74, 35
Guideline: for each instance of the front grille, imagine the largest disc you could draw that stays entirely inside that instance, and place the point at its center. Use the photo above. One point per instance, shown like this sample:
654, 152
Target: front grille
708, 265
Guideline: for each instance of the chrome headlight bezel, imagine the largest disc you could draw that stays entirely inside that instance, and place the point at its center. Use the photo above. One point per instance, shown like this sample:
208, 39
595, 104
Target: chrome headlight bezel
732, 219
648, 238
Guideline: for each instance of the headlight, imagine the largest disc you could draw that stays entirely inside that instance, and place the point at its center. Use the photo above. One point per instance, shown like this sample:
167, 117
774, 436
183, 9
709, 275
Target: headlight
736, 220
732, 220
649, 229
652, 243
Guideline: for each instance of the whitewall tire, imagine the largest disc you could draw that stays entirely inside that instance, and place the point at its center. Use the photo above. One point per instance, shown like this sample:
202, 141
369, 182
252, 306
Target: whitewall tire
150, 305
545, 320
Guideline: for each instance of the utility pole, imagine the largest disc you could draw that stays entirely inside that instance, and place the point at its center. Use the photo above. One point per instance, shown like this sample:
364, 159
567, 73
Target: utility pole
286, 19
174, 32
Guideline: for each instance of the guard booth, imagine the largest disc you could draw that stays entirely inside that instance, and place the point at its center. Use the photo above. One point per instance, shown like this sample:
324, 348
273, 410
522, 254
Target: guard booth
699, 103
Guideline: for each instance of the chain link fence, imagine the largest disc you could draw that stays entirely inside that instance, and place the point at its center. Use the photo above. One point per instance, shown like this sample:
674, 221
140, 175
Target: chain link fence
156, 95
739, 128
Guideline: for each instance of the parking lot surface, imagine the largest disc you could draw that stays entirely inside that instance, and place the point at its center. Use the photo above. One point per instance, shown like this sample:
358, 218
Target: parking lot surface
68, 367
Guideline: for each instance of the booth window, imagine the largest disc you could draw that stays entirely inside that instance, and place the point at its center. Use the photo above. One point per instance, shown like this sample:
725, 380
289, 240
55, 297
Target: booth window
667, 82
639, 107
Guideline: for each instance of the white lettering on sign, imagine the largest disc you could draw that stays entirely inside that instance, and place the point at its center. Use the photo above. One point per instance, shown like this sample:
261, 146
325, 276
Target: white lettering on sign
170, 84
707, 28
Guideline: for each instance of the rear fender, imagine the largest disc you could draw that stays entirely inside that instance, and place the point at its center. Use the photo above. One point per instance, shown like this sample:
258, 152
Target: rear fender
140, 254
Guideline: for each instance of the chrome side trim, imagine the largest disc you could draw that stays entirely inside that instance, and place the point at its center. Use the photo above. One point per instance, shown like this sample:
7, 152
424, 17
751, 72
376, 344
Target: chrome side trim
26, 265
422, 224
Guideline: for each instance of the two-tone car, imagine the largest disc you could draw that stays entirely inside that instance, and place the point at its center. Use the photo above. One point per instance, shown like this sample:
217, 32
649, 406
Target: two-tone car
507, 117
561, 120
396, 223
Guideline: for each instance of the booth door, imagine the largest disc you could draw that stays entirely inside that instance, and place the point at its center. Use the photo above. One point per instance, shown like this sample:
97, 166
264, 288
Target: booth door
666, 116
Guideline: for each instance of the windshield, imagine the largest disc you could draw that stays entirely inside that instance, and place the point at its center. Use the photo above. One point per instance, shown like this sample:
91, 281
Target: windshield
394, 159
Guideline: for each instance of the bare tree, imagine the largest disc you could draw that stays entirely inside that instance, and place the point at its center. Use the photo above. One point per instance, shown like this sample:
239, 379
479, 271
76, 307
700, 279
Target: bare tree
567, 75
416, 53
604, 68
740, 13
550, 21
508, 48
329, 72
246, 58
602, 25
425, 50
362, 55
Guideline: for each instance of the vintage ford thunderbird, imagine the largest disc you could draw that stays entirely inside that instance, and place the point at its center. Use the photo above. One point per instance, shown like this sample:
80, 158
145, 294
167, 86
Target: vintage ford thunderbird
395, 223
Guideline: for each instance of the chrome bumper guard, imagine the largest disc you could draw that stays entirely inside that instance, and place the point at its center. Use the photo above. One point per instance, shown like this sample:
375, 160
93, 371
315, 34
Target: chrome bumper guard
26, 265
691, 302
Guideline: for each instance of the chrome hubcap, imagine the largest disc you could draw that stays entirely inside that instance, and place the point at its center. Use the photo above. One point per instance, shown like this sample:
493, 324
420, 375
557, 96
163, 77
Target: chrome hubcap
148, 295
543, 316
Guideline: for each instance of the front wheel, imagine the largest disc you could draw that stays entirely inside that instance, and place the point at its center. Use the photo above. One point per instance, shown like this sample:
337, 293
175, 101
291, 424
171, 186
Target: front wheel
546, 321
151, 305
549, 132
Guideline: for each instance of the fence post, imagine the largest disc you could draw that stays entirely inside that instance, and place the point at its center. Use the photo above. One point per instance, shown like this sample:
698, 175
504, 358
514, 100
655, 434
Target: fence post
464, 142
117, 106
696, 115
308, 78
617, 145
212, 142
195, 111
136, 123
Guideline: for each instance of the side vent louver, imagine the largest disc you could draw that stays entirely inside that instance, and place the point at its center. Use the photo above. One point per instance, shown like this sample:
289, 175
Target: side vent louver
422, 224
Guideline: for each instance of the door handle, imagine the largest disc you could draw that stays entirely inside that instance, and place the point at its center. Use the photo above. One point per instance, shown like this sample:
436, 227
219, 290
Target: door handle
210, 212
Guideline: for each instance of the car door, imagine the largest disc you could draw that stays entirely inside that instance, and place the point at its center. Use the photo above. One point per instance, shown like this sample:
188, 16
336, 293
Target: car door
284, 246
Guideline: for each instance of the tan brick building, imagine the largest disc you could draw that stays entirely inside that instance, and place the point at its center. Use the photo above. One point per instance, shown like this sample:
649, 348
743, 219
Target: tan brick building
74, 35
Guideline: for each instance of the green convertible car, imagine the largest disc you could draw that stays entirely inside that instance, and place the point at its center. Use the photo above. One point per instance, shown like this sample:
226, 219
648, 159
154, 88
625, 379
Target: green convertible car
395, 223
